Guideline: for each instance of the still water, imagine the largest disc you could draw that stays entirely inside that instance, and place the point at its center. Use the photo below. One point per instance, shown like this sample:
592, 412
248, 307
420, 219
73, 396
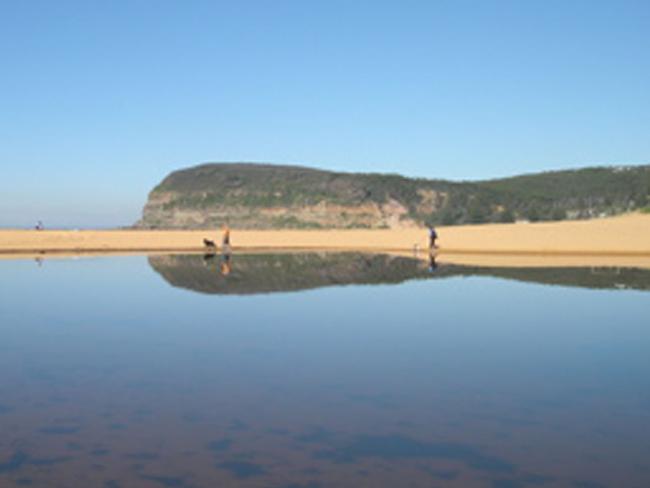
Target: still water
321, 370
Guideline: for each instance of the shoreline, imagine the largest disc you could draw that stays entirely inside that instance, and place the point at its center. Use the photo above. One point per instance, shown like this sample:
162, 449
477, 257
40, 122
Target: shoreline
498, 259
622, 239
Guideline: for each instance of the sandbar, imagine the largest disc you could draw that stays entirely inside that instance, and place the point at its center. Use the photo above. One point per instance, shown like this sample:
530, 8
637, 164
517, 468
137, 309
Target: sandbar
614, 241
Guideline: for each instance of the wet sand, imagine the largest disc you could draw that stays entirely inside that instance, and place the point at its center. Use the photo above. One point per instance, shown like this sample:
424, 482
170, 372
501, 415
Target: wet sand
616, 241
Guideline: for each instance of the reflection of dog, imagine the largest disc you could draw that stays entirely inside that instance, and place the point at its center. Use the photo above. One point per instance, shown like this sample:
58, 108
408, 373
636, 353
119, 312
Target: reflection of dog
208, 259
209, 243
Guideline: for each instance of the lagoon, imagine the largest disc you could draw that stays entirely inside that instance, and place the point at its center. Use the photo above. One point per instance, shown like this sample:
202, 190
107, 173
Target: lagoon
315, 370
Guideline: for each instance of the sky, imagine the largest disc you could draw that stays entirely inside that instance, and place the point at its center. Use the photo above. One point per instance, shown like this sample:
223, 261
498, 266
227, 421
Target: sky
100, 100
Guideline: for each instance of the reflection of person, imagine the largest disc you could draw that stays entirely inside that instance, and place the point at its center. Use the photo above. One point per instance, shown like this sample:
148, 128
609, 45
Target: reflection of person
433, 235
226, 266
432, 262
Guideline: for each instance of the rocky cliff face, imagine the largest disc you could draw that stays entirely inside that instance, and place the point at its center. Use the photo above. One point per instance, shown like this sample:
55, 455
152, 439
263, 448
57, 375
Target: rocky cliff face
265, 196
259, 196
162, 211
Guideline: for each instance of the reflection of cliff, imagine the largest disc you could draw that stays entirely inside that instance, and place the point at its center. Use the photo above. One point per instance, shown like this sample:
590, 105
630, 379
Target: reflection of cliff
598, 278
264, 273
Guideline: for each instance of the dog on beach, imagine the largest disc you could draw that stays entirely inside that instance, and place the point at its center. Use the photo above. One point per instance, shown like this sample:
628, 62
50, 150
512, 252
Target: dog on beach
208, 243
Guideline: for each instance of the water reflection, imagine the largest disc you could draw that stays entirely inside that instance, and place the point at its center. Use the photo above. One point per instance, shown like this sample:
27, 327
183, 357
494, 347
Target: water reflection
432, 262
223, 265
111, 378
265, 273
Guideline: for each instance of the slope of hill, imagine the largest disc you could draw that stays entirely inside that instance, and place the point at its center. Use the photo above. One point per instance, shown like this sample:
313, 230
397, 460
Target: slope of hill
270, 196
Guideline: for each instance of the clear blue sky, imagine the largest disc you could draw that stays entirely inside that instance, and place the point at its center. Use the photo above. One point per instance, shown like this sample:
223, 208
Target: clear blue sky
100, 100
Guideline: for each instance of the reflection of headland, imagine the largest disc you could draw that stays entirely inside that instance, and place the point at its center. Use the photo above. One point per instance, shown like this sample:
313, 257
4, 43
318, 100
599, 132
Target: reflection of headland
266, 273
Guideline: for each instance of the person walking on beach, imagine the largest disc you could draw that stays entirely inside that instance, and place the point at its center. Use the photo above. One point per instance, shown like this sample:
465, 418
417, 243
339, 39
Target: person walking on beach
433, 235
226, 236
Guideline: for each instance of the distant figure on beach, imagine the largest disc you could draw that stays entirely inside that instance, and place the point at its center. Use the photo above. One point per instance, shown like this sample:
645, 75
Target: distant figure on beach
226, 235
39, 225
433, 235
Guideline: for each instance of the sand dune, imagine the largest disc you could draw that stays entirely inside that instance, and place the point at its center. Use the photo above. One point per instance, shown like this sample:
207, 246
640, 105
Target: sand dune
624, 239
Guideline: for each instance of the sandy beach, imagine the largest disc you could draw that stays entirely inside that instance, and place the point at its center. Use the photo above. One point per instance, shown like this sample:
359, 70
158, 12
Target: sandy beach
617, 241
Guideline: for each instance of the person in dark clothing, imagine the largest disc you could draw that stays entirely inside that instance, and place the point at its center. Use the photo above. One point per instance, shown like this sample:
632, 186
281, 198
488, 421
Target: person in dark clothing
433, 235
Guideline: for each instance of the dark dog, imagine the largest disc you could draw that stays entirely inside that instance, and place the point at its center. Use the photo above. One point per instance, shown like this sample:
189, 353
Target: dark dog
209, 243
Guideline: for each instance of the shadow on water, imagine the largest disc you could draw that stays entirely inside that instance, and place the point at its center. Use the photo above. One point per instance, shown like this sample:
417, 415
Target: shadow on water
266, 273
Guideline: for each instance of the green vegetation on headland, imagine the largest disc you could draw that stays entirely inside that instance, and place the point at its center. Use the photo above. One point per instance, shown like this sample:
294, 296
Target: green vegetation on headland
270, 196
